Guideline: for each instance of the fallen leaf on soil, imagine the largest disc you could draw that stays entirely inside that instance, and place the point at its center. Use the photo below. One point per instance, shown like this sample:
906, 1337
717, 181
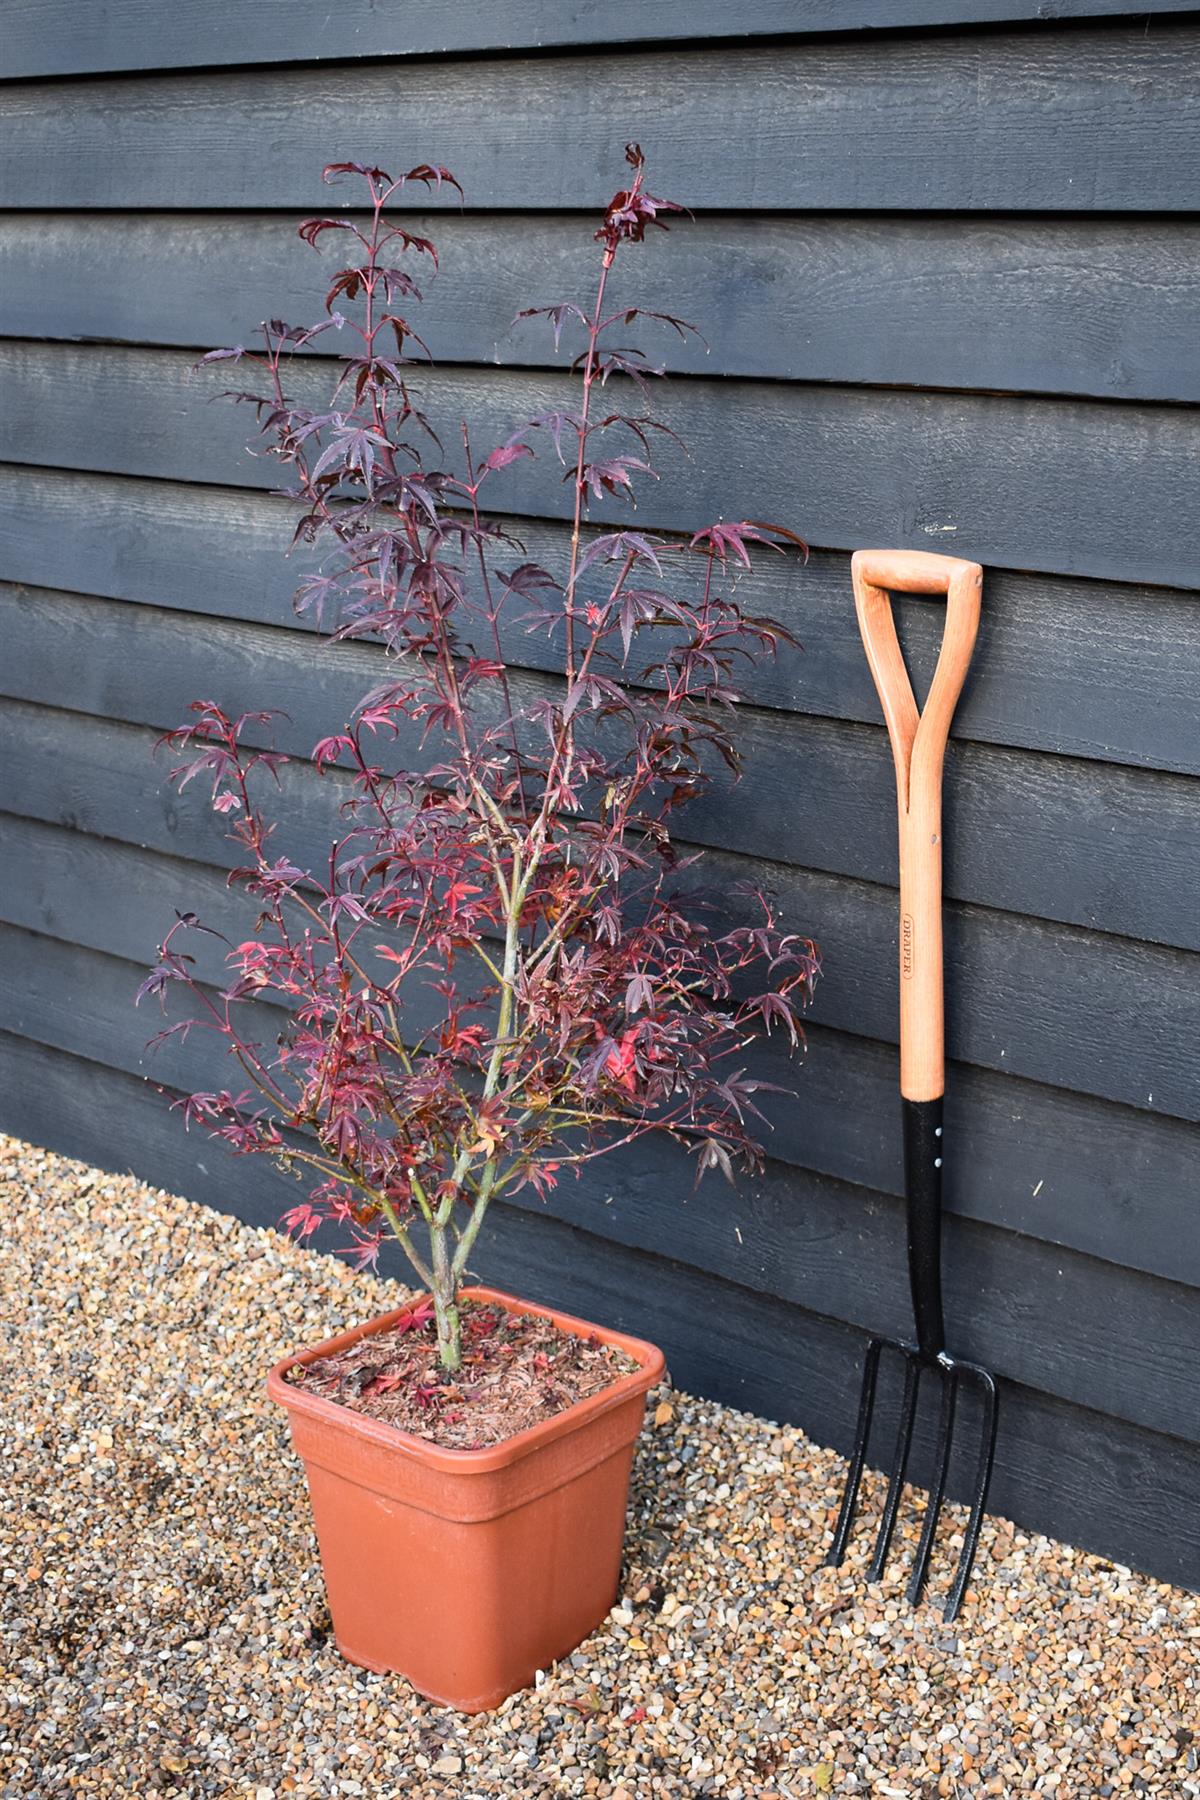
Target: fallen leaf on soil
664, 1412
414, 1320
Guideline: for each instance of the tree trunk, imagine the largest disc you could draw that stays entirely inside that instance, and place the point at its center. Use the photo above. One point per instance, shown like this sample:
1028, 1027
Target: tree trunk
445, 1305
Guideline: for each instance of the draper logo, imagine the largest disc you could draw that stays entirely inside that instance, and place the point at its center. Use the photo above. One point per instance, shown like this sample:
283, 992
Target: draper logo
906, 946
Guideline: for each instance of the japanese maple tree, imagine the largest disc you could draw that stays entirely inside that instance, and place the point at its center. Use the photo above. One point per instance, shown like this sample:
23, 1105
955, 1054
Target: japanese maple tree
504, 969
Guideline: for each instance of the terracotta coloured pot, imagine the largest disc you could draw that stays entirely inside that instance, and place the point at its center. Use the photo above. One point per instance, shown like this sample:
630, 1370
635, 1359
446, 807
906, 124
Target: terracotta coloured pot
469, 1570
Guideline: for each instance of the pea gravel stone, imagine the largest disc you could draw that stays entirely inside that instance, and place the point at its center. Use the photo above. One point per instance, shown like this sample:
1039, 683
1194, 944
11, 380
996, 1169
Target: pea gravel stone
163, 1631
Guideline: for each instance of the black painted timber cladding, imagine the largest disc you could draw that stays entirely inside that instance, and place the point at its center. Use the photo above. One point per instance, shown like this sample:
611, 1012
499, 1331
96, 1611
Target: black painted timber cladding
947, 264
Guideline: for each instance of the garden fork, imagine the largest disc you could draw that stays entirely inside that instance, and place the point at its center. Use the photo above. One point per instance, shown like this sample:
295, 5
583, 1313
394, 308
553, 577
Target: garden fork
918, 743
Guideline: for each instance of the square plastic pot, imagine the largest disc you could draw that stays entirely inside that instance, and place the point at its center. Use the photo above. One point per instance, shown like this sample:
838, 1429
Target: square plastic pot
468, 1570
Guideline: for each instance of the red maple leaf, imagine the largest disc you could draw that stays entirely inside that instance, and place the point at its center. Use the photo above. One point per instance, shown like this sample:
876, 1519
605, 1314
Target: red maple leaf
383, 1384
417, 1318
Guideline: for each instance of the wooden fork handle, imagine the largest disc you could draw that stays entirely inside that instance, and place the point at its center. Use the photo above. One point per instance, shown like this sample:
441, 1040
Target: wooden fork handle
918, 741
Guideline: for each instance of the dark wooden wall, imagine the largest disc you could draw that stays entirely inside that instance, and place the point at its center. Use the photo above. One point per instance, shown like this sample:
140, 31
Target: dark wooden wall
945, 260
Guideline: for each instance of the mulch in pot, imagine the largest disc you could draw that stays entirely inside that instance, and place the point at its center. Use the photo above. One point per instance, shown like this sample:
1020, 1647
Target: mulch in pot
518, 1369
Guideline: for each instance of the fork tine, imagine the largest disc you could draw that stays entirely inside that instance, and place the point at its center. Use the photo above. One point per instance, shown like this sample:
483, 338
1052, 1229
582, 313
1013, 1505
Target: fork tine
862, 1431
983, 1476
904, 1431
937, 1491
951, 1370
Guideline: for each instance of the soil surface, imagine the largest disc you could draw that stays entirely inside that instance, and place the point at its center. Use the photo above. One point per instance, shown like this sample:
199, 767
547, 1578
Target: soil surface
518, 1369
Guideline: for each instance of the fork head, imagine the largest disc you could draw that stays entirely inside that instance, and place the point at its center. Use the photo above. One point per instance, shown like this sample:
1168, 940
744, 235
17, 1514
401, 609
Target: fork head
952, 1371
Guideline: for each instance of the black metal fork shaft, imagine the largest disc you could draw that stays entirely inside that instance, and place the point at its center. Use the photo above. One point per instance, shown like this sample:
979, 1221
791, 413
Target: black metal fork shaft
923, 1193
923, 1208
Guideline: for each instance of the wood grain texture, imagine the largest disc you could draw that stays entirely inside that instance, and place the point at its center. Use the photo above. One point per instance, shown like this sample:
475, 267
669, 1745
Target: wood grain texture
1074, 121
1066, 1006
1052, 1164
1064, 487
1095, 1480
1086, 1331
1085, 844
221, 553
1048, 1451
1073, 306
1107, 1015
880, 212
918, 737
54, 37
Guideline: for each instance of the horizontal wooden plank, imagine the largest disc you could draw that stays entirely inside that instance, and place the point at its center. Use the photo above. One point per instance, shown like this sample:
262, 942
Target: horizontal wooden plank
1109, 849
95, 776
1055, 1463
1065, 487
1097, 1481
1095, 120
1079, 306
52, 37
1093, 1012
1055, 1165
1087, 1331
222, 553
1030, 1312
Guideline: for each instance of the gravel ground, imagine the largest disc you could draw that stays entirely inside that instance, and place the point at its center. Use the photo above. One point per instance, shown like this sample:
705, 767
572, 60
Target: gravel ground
164, 1634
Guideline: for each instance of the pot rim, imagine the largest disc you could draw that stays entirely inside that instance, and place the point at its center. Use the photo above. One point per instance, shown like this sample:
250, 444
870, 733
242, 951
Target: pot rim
651, 1367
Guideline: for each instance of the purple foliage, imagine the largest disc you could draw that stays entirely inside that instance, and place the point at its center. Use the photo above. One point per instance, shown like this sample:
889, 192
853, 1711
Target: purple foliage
503, 971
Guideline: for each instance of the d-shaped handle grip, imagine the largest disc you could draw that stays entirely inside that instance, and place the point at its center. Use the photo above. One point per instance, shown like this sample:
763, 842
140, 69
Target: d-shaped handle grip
911, 571
918, 741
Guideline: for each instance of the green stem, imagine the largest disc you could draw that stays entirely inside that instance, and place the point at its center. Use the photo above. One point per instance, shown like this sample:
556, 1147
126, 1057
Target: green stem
487, 1182
508, 976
